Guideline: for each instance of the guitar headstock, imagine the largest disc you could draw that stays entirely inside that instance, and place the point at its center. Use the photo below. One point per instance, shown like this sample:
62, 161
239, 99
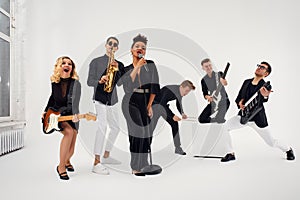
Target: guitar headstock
268, 86
226, 69
90, 116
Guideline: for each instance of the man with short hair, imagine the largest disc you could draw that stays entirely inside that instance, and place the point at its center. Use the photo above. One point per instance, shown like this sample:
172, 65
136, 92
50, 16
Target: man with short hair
104, 100
167, 94
257, 121
209, 84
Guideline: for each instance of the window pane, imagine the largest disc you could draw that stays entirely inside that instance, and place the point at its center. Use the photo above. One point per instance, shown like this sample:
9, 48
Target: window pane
4, 78
5, 4
4, 24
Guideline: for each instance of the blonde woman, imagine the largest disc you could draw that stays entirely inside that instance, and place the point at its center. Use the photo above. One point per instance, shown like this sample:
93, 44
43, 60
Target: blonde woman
65, 98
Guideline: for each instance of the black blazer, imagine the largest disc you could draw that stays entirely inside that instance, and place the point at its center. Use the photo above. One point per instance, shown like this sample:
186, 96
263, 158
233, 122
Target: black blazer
97, 69
148, 79
260, 118
169, 93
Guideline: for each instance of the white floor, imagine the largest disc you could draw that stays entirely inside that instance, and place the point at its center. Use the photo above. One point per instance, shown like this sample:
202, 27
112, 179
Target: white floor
259, 172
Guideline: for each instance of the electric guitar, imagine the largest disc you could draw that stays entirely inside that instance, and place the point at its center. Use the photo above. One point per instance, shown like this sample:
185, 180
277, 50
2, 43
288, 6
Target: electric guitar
52, 117
253, 105
216, 95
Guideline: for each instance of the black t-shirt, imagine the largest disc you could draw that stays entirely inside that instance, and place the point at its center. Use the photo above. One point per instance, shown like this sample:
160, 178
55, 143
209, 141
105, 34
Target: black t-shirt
246, 92
252, 89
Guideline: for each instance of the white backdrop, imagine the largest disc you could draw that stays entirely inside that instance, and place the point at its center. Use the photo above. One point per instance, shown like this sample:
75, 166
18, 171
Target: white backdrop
240, 32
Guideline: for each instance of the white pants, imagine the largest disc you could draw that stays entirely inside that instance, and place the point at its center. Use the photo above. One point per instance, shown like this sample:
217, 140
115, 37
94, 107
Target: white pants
265, 134
106, 116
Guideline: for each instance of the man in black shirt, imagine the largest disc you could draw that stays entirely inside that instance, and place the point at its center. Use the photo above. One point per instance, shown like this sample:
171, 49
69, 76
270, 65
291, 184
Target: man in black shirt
209, 84
259, 122
107, 114
169, 93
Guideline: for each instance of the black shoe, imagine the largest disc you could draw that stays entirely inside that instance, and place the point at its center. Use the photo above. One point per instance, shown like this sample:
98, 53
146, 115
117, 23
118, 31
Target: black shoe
70, 168
228, 157
290, 155
63, 175
151, 169
179, 151
139, 174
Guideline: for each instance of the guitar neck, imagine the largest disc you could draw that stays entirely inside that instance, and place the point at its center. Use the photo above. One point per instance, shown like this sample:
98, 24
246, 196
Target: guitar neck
70, 117
252, 102
223, 76
225, 71
218, 89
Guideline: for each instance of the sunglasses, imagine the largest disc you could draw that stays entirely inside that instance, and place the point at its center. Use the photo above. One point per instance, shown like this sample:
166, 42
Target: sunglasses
261, 67
113, 44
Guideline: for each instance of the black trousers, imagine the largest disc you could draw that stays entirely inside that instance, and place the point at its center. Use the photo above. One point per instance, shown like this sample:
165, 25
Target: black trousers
159, 111
220, 117
134, 108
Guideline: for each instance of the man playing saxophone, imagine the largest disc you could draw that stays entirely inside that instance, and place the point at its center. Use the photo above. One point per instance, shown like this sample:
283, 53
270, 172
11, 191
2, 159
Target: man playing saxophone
104, 75
112, 68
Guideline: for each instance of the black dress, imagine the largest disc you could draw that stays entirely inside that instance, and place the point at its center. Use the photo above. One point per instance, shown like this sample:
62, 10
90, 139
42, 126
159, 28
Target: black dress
134, 107
65, 98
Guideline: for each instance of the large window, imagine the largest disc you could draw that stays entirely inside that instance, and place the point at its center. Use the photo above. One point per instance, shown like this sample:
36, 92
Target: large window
5, 58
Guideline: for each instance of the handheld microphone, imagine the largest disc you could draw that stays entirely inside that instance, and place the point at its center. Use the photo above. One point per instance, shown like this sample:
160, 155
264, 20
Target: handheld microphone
142, 56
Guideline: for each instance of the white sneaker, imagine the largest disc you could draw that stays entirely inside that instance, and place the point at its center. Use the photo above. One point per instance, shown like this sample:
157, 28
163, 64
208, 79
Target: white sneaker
110, 160
100, 169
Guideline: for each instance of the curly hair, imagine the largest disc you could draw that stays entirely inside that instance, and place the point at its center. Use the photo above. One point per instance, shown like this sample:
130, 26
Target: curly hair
57, 70
139, 38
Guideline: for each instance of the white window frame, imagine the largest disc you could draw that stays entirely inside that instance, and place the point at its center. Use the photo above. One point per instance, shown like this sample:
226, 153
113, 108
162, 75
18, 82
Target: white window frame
10, 39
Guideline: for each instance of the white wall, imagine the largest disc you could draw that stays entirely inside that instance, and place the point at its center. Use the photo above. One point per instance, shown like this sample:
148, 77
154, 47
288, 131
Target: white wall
240, 32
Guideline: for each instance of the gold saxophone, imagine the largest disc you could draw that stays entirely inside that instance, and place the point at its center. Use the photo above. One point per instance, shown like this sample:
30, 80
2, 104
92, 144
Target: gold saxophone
110, 73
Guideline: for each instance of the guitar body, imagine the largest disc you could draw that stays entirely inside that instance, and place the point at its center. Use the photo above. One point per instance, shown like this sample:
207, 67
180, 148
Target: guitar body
50, 121
215, 104
248, 115
52, 117
253, 105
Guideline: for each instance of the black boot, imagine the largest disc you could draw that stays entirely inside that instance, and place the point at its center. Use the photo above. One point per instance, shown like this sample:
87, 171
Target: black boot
290, 155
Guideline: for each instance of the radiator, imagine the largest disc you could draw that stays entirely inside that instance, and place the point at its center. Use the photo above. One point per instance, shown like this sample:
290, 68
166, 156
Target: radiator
11, 140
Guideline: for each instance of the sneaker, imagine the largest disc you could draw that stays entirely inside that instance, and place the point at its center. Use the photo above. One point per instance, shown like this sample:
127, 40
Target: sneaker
228, 157
179, 150
100, 169
290, 155
110, 160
